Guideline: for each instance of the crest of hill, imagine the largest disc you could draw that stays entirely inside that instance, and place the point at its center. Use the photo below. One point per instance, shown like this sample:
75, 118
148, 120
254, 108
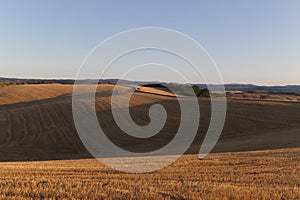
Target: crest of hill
288, 89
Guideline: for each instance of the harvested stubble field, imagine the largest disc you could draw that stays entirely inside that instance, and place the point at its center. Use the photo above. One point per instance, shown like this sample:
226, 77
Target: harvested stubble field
248, 175
36, 125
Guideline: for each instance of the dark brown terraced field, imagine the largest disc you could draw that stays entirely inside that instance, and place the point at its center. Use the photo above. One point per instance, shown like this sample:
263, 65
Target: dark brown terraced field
36, 123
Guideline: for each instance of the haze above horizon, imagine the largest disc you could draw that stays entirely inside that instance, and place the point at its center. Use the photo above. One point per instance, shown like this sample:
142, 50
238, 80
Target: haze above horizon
255, 42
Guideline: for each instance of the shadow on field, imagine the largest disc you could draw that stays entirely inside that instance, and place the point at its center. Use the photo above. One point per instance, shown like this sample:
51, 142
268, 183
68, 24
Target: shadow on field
44, 129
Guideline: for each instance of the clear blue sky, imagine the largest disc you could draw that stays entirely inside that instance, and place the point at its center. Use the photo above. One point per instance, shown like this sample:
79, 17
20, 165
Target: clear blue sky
251, 41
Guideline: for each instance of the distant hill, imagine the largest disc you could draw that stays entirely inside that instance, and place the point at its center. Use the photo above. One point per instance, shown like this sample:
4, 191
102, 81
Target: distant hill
239, 87
256, 88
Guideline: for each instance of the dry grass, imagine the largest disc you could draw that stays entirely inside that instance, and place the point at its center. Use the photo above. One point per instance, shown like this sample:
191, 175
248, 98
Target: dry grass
249, 175
26, 93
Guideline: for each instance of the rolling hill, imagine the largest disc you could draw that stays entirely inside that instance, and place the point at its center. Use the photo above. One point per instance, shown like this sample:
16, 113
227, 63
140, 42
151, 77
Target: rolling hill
36, 123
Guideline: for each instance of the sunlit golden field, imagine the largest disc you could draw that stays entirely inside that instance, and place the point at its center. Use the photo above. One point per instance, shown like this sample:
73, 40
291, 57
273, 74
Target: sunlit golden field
249, 175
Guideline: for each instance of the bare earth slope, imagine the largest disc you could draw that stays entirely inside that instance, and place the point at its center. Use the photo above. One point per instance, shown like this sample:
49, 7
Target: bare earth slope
36, 123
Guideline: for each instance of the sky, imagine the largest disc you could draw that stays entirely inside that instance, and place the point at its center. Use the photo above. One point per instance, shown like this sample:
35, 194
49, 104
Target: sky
253, 41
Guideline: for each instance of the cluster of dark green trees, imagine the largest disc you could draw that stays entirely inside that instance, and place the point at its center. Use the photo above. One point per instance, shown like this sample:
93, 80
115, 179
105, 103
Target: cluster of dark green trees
201, 92
185, 90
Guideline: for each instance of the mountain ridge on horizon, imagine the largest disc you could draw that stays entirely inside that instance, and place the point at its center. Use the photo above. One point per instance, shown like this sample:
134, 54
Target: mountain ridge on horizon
228, 86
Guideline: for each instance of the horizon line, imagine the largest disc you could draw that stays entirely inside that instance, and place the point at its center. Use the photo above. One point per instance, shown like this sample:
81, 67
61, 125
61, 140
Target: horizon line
226, 83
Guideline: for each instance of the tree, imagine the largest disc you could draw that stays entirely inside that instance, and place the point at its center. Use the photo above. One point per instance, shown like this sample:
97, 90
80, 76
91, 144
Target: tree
201, 92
